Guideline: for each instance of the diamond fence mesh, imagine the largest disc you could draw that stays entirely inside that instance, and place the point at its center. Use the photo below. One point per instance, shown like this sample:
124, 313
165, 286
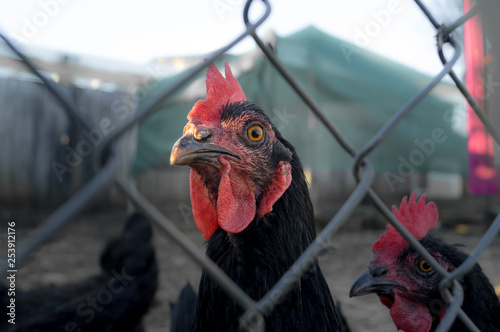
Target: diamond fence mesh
107, 162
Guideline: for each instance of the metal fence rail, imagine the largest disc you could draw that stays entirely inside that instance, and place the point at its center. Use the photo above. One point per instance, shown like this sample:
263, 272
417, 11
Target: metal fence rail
106, 162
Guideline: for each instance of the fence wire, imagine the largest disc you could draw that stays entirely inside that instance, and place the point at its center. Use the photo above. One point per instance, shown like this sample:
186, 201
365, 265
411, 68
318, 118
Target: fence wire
107, 161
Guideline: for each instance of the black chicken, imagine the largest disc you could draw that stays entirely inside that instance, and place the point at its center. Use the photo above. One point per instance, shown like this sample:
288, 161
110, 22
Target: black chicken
409, 286
250, 200
113, 301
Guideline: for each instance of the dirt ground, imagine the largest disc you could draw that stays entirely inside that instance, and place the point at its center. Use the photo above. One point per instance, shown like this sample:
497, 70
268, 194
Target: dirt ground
73, 255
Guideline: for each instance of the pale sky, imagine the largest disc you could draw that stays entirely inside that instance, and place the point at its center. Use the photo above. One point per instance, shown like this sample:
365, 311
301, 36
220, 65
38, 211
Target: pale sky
138, 31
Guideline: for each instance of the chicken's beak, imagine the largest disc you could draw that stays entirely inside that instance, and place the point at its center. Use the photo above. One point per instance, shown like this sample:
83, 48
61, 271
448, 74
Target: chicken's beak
367, 284
188, 150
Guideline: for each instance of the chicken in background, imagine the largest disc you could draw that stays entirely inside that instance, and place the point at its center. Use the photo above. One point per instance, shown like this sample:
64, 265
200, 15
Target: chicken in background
113, 301
409, 286
251, 202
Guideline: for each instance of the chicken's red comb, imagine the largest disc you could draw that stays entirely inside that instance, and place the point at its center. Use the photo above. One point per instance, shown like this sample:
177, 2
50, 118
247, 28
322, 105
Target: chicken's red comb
416, 217
220, 91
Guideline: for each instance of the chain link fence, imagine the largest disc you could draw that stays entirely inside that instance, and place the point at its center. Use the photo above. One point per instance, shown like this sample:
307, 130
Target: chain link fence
107, 162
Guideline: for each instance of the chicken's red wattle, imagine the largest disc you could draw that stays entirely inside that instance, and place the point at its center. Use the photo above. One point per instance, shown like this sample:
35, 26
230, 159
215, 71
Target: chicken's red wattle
409, 315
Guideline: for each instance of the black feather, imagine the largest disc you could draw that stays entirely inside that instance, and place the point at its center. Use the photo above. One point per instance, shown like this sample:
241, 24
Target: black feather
480, 301
257, 257
183, 311
113, 301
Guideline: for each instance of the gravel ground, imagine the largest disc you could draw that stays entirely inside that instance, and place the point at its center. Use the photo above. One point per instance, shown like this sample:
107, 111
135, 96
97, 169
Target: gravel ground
73, 255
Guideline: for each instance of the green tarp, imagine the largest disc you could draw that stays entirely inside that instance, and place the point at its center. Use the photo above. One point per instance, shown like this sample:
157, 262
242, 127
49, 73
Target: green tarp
358, 91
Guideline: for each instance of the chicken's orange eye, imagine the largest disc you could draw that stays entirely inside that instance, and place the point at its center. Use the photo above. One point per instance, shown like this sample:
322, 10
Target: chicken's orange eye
255, 133
424, 266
